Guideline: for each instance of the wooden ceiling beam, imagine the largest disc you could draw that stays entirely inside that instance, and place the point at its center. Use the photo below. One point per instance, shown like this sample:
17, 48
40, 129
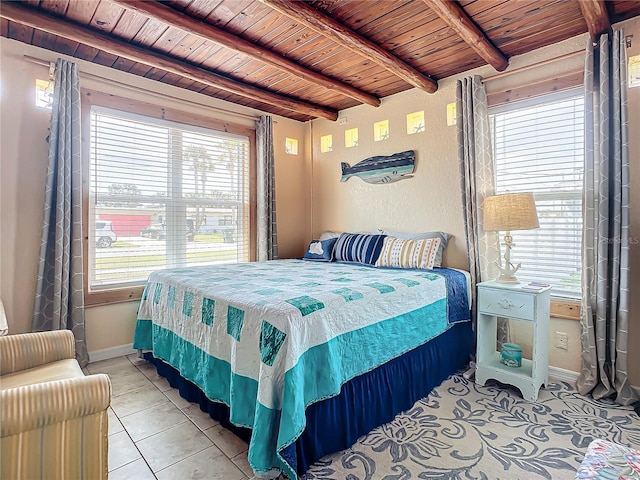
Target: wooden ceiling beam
27, 16
596, 16
164, 13
310, 17
454, 16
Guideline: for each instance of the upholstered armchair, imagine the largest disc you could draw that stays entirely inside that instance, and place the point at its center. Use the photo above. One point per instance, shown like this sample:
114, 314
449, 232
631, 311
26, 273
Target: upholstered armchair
53, 418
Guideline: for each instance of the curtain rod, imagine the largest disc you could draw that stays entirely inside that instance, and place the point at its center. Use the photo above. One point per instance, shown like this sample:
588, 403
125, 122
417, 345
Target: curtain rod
45, 63
533, 65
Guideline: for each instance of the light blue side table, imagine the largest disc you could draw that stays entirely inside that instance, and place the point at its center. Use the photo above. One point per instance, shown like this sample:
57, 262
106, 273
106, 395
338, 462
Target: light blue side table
511, 300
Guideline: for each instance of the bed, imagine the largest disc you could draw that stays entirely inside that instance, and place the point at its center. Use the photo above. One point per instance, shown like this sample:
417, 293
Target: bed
306, 356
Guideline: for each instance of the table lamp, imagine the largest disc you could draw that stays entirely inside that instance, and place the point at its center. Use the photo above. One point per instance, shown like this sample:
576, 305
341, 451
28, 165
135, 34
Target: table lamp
506, 212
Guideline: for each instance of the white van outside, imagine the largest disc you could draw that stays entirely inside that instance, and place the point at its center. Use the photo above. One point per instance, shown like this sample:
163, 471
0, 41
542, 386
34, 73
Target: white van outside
105, 235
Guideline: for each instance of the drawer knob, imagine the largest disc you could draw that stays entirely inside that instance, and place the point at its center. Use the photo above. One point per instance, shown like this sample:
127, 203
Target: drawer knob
505, 303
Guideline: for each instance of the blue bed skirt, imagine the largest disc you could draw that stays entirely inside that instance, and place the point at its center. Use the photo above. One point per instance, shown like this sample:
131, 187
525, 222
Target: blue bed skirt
364, 403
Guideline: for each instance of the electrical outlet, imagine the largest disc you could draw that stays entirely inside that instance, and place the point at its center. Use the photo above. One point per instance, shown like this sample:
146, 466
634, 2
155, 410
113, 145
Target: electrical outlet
562, 340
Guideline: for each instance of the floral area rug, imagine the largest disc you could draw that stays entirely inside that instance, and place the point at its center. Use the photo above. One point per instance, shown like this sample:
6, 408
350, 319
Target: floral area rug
464, 431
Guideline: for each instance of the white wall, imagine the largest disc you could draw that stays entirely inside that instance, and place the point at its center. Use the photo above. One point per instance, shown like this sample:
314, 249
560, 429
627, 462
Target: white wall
23, 155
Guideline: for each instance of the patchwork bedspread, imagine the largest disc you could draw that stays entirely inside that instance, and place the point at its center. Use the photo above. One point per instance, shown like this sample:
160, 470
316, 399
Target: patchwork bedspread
270, 338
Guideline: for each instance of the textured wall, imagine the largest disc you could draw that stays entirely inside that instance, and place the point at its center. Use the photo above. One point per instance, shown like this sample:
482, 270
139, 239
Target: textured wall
23, 157
428, 201
293, 189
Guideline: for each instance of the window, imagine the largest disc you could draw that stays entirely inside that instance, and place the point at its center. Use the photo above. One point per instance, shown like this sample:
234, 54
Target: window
351, 137
415, 122
44, 94
291, 146
326, 143
538, 147
381, 131
162, 194
451, 114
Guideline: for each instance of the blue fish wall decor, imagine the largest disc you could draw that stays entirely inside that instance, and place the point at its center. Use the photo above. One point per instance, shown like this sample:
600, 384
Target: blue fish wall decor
381, 169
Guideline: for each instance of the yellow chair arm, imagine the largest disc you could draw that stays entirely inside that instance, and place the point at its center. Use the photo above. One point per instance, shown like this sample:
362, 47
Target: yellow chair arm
35, 406
20, 352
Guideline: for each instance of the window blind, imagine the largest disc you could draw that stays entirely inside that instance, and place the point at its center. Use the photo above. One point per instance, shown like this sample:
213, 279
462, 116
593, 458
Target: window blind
163, 195
538, 146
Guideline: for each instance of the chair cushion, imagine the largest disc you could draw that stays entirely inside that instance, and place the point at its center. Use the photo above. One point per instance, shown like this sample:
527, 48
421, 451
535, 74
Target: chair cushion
606, 460
60, 370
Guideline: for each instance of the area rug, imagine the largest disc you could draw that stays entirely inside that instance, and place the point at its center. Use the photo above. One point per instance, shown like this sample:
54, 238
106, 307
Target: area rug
464, 431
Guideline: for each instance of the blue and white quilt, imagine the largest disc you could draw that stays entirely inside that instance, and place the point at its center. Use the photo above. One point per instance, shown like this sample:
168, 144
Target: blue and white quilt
270, 338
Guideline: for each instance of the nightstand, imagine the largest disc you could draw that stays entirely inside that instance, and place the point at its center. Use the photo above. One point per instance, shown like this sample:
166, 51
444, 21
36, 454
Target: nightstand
511, 300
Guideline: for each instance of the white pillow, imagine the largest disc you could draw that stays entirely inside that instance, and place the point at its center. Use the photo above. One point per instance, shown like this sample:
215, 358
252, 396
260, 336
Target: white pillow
444, 240
326, 235
408, 253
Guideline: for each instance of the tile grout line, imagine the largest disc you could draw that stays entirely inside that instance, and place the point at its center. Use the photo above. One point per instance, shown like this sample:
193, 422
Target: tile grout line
136, 447
189, 456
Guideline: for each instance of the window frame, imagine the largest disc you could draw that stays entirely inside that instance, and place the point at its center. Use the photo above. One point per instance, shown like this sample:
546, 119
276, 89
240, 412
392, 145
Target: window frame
563, 305
92, 98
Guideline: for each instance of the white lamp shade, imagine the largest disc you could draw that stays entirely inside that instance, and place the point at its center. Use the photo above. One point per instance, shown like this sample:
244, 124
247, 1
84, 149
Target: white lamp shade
510, 211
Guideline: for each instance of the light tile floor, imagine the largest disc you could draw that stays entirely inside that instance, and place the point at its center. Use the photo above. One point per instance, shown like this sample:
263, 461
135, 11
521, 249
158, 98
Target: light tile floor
154, 433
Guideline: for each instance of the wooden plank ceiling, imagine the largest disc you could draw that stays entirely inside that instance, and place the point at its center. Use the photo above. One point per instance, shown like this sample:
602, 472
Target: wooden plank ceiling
303, 60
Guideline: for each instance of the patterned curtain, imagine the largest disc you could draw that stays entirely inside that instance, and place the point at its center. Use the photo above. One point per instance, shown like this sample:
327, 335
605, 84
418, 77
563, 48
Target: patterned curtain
605, 255
266, 208
59, 302
477, 178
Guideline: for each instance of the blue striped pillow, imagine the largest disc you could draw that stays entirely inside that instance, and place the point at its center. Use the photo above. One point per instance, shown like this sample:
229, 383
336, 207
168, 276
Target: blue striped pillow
358, 248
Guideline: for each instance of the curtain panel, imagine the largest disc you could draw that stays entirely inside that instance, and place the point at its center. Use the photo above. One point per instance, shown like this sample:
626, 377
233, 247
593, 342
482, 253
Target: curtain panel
605, 262
267, 236
59, 300
477, 178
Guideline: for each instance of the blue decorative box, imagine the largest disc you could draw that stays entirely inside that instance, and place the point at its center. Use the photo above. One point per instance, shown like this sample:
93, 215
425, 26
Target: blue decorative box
511, 355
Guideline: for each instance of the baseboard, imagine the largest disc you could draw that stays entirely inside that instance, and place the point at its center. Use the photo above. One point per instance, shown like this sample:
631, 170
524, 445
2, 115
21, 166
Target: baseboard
563, 375
113, 352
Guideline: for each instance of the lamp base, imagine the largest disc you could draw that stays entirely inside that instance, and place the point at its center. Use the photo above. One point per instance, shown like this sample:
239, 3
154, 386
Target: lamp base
503, 278
509, 269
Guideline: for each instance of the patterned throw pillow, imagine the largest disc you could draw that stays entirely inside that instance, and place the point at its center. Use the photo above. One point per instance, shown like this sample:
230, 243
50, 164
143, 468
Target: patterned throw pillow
320, 250
443, 236
408, 253
358, 248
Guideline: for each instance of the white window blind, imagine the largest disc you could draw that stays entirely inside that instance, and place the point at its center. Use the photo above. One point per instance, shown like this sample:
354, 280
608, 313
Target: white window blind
538, 147
163, 195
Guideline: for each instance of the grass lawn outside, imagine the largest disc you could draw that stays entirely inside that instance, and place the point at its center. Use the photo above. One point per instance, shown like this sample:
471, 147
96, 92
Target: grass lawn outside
120, 244
209, 237
159, 260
